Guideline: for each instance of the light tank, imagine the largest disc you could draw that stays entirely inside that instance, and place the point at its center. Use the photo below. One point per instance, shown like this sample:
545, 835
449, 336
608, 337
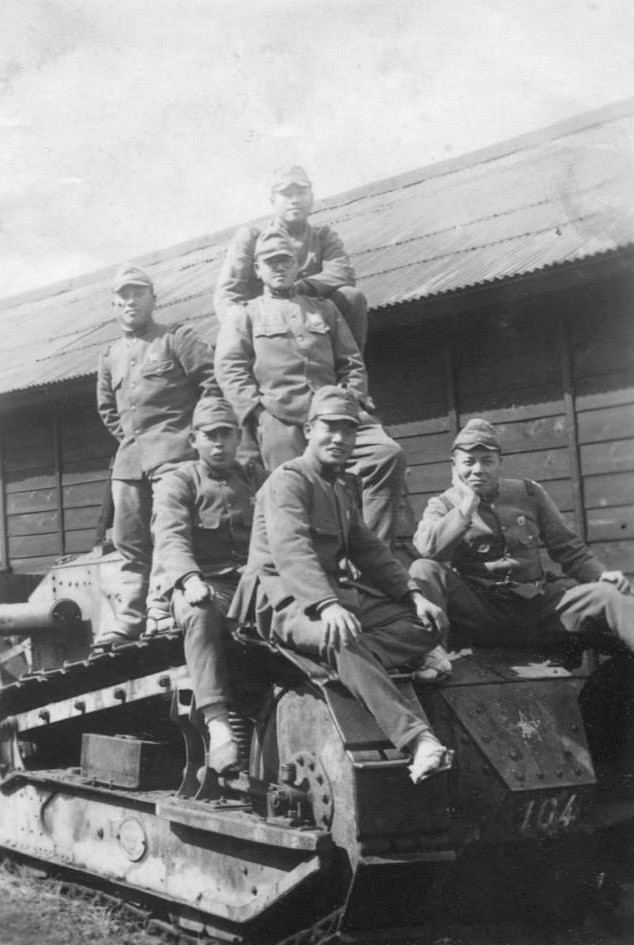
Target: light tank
102, 771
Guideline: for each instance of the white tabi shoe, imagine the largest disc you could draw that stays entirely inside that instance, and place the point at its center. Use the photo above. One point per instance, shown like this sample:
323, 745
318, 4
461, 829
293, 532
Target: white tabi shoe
435, 666
429, 757
223, 754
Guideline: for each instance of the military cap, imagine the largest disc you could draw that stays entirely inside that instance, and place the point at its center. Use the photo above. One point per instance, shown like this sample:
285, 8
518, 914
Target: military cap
477, 433
213, 412
131, 275
273, 243
287, 176
334, 403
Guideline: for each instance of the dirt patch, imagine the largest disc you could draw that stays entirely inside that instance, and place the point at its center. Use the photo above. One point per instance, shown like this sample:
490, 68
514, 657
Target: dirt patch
34, 911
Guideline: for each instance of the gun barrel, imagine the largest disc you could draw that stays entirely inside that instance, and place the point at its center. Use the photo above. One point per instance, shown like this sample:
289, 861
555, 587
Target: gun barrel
31, 617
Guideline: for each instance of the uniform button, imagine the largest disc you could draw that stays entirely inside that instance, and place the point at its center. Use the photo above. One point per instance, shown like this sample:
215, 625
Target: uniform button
504, 528
133, 361
137, 432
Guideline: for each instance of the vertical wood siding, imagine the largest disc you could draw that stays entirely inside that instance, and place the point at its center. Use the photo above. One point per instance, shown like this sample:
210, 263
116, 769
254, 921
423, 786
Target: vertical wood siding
55, 466
554, 373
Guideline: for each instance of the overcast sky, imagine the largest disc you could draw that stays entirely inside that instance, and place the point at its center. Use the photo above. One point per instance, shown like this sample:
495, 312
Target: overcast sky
131, 125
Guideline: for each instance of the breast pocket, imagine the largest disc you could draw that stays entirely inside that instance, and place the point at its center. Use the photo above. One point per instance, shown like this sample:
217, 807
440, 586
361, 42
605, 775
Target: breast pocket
324, 527
158, 368
316, 325
208, 520
270, 328
525, 531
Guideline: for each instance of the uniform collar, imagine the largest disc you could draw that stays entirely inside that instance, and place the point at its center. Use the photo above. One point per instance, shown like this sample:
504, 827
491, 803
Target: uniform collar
327, 472
148, 333
219, 475
280, 293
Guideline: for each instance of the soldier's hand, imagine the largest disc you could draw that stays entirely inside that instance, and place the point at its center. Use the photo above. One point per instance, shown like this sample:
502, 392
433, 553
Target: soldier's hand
469, 498
340, 626
618, 579
430, 615
196, 590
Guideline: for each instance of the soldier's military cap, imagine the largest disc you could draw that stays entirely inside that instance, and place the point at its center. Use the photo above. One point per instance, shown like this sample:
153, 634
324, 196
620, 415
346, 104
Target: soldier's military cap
477, 433
334, 403
131, 275
213, 412
273, 243
289, 176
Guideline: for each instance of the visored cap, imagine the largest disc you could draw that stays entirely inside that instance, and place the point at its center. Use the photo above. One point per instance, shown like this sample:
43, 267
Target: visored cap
334, 403
273, 243
289, 176
213, 412
477, 433
131, 275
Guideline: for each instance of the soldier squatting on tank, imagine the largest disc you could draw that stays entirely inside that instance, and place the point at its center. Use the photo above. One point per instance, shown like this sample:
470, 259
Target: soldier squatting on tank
479, 543
481, 561
203, 514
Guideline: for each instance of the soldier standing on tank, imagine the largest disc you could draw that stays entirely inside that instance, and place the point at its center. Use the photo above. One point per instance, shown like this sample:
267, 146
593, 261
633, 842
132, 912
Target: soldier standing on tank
148, 383
202, 525
308, 546
271, 356
324, 268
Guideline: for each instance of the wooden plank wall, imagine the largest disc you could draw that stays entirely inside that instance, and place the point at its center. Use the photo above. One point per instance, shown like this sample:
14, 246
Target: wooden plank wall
555, 373
508, 365
54, 469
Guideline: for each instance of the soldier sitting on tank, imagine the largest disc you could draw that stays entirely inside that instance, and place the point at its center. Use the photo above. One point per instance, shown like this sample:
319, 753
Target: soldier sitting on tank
148, 383
275, 352
481, 561
301, 584
324, 269
202, 525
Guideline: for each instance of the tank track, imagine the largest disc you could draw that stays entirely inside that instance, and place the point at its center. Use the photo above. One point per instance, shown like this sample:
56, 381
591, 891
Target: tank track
140, 916
106, 668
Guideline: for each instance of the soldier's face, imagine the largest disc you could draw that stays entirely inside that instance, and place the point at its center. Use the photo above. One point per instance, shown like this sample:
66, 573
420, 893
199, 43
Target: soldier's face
331, 442
277, 272
217, 447
293, 204
134, 305
478, 468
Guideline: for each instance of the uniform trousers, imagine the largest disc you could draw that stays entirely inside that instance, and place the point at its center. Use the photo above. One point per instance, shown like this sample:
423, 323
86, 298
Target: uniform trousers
489, 616
376, 459
353, 306
392, 637
132, 537
206, 639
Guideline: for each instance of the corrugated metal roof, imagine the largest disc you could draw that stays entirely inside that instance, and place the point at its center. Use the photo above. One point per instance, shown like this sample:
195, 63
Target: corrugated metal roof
549, 198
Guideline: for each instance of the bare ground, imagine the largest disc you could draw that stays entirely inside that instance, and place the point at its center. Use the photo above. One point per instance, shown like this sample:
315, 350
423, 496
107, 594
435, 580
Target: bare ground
35, 911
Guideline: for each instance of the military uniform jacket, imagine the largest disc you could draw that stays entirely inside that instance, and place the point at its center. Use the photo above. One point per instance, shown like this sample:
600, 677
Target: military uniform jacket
147, 388
324, 266
307, 531
202, 522
512, 526
277, 351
